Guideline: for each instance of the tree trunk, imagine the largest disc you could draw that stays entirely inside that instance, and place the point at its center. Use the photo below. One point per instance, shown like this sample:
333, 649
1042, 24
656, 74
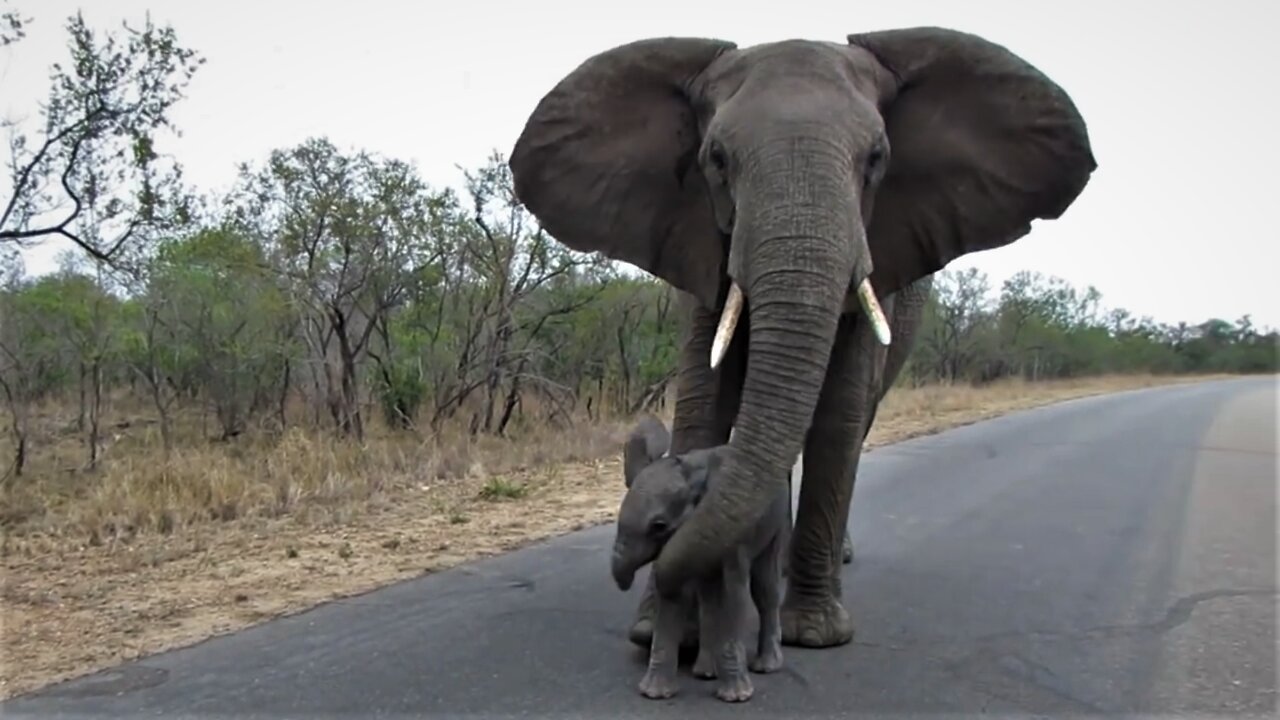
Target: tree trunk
162, 409
512, 400
80, 417
19, 429
20, 452
95, 409
284, 395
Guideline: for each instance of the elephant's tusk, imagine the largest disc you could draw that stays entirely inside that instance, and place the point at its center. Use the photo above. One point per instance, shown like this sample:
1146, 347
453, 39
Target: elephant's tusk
728, 321
871, 307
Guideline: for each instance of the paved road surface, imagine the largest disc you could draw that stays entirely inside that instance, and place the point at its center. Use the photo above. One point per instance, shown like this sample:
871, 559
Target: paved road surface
1107, 555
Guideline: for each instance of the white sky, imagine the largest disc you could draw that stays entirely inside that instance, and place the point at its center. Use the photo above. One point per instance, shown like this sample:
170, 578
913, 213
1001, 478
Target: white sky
1177, 222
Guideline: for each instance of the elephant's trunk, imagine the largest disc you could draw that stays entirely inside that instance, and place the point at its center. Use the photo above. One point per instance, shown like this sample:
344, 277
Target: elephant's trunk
799, 242
628, 557
624, 571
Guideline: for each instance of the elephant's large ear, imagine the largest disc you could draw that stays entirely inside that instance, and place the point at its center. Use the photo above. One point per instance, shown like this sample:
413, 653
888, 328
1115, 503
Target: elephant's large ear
607, 162
648, 441
697, 467
981, 143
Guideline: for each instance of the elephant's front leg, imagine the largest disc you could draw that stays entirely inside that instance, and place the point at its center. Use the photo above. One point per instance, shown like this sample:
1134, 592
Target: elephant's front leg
905, 310
812, 615
766, 595
706, 403
704, 666
642, 626
728, 596
659, 681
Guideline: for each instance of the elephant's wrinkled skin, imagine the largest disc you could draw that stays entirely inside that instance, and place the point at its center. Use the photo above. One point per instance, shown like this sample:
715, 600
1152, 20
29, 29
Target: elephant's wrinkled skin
661, 494
809, 178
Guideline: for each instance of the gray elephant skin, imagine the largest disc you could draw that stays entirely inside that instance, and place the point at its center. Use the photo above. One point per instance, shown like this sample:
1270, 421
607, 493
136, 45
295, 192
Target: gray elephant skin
803, 181
662, 492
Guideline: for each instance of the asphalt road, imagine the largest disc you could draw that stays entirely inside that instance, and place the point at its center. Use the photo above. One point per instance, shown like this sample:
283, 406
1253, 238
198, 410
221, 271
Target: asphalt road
1112, 555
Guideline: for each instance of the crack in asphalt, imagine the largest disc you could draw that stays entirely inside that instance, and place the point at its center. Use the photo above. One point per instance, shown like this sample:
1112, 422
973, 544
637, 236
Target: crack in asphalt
1177, 614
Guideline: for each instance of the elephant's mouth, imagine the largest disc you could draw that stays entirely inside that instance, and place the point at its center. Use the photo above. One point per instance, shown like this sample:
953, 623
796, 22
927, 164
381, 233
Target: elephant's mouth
733, 311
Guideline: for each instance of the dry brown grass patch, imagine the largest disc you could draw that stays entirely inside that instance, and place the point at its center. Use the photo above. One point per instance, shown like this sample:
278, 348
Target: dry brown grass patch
910, 412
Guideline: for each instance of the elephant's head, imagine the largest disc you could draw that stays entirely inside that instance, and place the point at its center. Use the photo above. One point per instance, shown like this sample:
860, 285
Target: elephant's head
662, 493
753, 173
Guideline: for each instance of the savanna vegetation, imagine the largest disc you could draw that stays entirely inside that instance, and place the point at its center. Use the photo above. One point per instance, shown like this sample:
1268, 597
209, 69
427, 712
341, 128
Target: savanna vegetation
336, 338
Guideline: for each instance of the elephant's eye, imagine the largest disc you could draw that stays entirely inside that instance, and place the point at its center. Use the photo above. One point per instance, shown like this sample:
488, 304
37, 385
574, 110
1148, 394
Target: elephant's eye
875, 165
658, 527
717, 158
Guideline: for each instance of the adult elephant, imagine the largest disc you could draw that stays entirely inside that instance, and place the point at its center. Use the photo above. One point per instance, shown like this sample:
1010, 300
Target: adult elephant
748, 177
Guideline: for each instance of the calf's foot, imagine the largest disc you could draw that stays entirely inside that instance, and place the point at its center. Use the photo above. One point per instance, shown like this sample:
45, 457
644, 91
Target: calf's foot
735, 688
658, 685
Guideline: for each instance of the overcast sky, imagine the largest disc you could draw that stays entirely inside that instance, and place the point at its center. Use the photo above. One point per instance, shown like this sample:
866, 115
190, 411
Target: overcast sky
1177, 223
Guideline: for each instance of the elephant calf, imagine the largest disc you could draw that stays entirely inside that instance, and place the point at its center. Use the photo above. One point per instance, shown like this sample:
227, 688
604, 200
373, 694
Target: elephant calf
661, 492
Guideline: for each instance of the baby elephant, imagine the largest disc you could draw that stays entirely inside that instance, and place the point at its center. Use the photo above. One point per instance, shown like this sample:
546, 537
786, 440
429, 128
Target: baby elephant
661, 492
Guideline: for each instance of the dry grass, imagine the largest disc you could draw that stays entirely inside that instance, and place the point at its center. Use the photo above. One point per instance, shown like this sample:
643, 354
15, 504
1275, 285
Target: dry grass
306, 474
908, 413
148, 554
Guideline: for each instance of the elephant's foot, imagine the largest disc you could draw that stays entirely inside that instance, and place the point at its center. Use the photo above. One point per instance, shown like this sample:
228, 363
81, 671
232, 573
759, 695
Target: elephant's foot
816, 623
641, 632
768, 661
658, 685
735, 688
704, 668
846, 550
